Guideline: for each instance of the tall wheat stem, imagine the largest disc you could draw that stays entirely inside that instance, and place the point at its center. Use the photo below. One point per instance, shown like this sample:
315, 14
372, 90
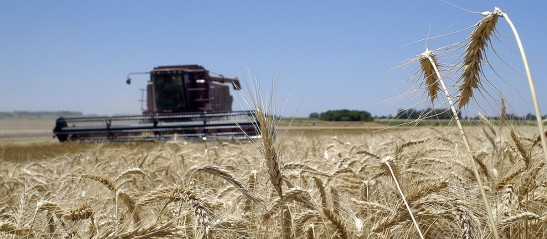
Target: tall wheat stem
491, 222
273, 161
531, 84
386, 161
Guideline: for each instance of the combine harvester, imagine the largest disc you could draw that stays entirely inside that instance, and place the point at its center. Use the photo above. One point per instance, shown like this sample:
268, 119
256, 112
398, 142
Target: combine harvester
183, 102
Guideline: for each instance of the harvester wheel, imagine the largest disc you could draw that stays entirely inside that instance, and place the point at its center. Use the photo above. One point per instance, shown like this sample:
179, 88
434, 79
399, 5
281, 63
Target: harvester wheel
62, 137
59, 125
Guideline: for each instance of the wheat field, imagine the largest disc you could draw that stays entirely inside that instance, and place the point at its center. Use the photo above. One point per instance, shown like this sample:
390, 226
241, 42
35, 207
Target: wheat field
333, 186
479, 180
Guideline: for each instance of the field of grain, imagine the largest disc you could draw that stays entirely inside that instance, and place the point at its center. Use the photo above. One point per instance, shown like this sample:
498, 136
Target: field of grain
312, 180
331, 185
26, 129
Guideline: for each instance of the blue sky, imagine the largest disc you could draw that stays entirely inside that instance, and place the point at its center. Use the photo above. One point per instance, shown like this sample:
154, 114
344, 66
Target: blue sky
75, 55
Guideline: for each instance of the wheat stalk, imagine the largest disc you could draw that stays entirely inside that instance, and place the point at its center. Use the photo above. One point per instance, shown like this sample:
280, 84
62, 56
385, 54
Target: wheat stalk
273, 162
386, 162
491, 221
530, 84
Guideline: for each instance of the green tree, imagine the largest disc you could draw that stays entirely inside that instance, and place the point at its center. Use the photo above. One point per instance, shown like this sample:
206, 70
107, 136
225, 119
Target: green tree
345, 115
314, 115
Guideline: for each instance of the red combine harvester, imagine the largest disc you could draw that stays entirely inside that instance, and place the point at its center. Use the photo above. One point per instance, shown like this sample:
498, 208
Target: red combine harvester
183, 102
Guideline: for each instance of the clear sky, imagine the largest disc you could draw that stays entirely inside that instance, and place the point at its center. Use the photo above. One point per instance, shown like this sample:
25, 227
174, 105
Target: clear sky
75, 55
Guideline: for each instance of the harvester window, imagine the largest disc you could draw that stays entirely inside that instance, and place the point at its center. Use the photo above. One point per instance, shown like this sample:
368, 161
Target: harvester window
169, 92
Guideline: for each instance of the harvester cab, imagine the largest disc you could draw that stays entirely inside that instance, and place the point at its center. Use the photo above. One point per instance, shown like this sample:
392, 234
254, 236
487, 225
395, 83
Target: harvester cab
183, 102
187, 88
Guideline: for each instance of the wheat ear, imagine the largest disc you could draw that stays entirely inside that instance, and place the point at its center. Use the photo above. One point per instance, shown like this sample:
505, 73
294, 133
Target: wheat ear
131, 205
153, 231
292, 195
520, 148
310, 232
79, 213
491, 222
520, 216
214, 170
130, 171
272, 160
474, 55
251, 184
269, 152
322, 192
530, 83
431, 79
337, 222
171, 194
331, 214
103, 180
13, 230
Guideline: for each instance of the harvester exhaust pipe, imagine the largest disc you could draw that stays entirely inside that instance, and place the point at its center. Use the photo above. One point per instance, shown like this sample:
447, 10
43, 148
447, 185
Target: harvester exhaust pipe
128, 81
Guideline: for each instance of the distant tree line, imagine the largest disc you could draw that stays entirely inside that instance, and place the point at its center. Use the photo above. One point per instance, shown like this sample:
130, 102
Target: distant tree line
343, 115
530, 116
511, 116
38, 114
433, 113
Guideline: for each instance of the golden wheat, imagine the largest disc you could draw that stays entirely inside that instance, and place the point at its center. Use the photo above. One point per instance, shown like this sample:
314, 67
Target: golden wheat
189, 202
428, 71
474, 54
